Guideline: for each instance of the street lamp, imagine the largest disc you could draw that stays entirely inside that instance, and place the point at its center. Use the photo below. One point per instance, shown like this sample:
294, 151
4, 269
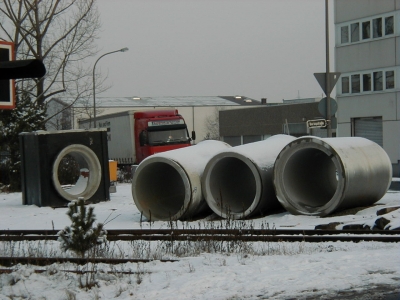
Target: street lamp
94, 81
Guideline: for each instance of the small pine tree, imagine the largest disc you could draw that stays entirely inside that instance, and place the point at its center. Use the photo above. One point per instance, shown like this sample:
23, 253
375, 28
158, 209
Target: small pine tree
81, 236
26, 117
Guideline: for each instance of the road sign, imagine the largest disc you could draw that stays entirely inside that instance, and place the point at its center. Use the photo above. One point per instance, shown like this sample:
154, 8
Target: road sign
333, 78
322, 107
316, 123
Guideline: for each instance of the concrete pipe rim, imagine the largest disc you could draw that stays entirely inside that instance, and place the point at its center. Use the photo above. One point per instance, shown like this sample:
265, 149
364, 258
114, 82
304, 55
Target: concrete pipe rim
225, 158
93, 165
289, 199
141, 202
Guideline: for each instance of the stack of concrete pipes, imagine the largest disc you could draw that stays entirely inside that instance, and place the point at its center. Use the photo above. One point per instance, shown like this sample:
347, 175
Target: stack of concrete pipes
307, 175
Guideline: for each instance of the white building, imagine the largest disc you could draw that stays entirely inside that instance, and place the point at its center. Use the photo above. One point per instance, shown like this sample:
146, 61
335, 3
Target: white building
367, 53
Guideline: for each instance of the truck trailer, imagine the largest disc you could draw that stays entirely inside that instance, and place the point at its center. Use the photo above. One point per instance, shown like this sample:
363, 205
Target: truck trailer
134, 135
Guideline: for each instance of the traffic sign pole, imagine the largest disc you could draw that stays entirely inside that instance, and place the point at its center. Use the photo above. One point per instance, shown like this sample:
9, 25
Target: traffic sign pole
328, 97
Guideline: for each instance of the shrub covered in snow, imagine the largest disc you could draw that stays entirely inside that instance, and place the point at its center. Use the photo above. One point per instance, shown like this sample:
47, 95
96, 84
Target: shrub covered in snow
81, 236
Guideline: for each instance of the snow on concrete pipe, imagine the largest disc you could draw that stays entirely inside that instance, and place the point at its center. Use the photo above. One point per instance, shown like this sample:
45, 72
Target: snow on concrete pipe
238, 182
167, 185
317, 176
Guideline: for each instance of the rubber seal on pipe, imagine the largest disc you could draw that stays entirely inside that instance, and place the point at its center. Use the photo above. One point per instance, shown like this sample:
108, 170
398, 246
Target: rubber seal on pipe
88, 160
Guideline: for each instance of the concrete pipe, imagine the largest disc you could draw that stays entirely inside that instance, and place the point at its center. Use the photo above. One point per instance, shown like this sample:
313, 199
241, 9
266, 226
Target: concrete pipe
237, 183
90, 172
167, 185
317, 176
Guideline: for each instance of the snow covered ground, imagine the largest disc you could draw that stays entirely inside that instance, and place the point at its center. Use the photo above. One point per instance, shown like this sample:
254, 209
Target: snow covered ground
256, 271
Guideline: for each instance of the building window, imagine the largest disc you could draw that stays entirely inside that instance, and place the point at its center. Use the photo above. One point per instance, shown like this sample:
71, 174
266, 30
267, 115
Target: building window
366, 30
389, 28
390, 79
265, 136
355, 83
377, 27
344, 34
251, 139
355, 32
345, 85
233, 140
378, 81
366, 82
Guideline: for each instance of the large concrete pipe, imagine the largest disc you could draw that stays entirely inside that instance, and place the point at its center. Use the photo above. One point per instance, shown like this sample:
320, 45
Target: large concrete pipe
237, 183
167, 185
316, 176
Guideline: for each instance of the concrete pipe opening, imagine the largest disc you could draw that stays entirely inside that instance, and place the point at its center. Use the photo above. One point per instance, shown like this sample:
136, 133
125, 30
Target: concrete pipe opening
231, 184
167, 185
76, 172
238, 182
317, 176
311, 177
161, 189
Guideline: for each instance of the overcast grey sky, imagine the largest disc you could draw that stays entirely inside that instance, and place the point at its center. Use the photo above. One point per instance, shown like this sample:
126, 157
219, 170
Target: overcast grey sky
255, 48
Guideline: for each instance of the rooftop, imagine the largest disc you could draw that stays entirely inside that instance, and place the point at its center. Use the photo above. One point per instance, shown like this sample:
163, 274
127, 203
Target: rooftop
174, 101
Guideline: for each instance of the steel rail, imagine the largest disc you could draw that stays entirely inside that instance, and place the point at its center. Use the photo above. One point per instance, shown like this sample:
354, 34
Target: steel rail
39, 271
45, 261
191, 231
246, 235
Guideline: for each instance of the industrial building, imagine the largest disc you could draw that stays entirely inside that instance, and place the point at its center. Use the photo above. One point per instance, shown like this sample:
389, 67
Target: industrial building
254, 124
367, 54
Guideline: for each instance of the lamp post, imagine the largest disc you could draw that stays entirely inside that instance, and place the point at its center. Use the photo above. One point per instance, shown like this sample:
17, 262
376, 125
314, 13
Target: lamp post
94, 81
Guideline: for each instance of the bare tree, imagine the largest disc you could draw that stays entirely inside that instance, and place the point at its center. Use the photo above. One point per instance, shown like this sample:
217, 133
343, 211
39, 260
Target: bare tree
83, 109
62, 117
211, 125
62, 34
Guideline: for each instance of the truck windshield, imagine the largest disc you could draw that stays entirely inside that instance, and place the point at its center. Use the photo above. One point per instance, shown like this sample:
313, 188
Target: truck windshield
176, 136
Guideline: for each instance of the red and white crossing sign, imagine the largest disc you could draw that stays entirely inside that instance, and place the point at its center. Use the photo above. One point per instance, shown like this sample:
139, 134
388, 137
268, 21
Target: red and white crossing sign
7, 86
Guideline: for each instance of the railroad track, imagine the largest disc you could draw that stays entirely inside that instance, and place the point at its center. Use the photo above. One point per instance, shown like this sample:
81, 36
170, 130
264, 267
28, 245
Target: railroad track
193, 235
45, 261
246, 235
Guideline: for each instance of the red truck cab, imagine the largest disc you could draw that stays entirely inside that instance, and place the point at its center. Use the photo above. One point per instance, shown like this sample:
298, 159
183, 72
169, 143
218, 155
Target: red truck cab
159, 131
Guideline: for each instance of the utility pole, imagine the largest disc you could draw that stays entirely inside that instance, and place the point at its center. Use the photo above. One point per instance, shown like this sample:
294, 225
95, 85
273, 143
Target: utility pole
328, 89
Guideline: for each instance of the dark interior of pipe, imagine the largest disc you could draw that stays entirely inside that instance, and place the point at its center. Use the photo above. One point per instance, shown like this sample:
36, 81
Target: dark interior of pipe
232, 185
160, 189
310, 178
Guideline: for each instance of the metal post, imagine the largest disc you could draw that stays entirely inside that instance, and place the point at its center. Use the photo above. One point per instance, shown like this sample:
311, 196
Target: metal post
94, 82
328, 88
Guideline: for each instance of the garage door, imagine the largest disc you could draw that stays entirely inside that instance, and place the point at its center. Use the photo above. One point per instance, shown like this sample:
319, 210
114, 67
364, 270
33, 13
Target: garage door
370, 128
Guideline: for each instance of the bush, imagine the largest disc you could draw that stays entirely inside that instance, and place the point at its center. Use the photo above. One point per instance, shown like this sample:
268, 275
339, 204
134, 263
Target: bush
81, 236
